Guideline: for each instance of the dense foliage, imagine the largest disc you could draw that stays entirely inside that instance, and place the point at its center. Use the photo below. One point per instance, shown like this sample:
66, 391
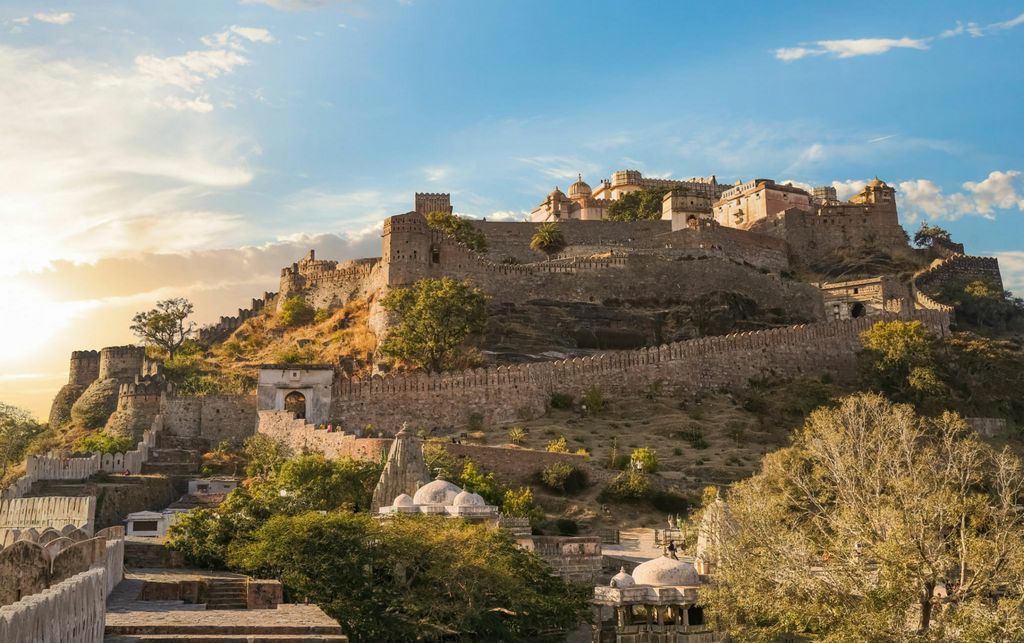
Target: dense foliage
981, 306
461, 229
165, 327
637, 206
296, 311
927, 235
105, 443
426, 578
877, 524
17, 428
435, 317
548, 239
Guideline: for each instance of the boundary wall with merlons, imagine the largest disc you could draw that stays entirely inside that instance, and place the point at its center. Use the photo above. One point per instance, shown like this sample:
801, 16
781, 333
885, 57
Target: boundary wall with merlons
49, 511
73, 610
48, 467
506, 394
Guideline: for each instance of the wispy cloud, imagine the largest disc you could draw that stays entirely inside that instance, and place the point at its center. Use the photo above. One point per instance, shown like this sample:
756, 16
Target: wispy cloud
849, 48
55, 18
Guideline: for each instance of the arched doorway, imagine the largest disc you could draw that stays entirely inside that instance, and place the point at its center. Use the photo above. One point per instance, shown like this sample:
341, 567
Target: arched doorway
296, 403
857, 310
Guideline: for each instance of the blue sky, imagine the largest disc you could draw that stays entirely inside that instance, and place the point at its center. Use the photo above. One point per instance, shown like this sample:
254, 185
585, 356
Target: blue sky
152, 149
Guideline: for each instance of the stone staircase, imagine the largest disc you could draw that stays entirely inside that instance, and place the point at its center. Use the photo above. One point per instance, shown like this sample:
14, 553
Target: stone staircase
150, 553
226, 594
173, 456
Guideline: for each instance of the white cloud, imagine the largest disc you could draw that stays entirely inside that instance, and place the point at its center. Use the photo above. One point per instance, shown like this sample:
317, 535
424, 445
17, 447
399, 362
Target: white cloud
1009, 24
292, 5
846, 189
92, 162
1000, 190
850, 47
507, 215
437, 173
55, 18
1011, 265
971, 28
24, 20
189, 70
232, 37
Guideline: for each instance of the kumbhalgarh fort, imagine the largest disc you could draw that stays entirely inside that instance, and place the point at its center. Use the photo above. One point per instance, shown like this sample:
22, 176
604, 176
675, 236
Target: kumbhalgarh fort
594, 388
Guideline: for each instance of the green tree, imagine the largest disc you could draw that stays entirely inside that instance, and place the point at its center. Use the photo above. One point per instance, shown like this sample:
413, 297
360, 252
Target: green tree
900, 358
981, 305
460, 229
436, 317
563, 477
165, 326
484, 483
264, 456
296, 311
637, 206
548, 239
313, 482
851, 533
105, 443
927, 235
17, 428
421, 578
520, 503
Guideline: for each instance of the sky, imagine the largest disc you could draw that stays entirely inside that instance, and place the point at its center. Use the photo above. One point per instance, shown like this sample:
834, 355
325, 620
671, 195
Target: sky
193, 148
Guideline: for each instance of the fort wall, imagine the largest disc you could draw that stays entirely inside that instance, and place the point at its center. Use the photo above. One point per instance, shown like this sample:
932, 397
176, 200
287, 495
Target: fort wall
214, 418
504, 394
48, 511
226, 325
958, 269
121, 362
814, 235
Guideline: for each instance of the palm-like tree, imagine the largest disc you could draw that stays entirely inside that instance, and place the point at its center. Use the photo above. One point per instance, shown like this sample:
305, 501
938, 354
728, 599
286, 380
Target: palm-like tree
548, 239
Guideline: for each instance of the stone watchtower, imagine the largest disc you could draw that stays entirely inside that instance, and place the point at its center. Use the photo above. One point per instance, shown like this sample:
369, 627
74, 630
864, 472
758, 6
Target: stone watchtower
427, 202
405, 471
409, 249
121, 362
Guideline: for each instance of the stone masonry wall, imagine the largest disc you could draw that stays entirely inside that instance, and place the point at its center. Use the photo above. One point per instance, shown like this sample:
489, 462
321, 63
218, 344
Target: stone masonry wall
504, 394
214, 418
958, 269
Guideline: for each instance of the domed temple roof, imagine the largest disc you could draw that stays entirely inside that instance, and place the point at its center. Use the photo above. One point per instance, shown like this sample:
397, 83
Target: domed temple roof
622, 580
438, 492
665, 571
579, 189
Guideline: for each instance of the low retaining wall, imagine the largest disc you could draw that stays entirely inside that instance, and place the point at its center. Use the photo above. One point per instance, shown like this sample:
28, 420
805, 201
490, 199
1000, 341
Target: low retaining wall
72, 610
577, 559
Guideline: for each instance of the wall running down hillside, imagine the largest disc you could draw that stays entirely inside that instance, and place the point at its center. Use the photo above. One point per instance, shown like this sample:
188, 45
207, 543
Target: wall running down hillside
506, 394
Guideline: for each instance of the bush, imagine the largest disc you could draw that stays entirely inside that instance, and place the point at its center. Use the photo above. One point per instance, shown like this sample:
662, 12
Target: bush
593, 401
561, 401
557, 446
644, 459
563, 477
295, 355
628, 485
462, 230
519, 503
295, 311
106, 443
516, 435
696, 438
321, 316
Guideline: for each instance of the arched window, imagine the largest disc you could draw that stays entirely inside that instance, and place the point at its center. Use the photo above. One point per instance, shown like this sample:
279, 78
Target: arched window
296, 403
857, 310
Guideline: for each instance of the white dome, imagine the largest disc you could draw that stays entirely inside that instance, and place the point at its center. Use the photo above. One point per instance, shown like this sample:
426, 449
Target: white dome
468, 499
403, 500
622, 580
438, 492
579, 189
665, 571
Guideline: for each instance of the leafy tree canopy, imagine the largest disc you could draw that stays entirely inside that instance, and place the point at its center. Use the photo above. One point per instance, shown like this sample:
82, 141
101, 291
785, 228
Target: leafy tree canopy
296, 311
637, 206
901, 357
927, 235
425, 578
461, 229
165, 327
981, 305
436, 318
857, 530
17, 428
548, 239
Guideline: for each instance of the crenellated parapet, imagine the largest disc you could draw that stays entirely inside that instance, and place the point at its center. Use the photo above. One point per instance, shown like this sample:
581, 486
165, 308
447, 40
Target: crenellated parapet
121, 362
228, 324
952, 270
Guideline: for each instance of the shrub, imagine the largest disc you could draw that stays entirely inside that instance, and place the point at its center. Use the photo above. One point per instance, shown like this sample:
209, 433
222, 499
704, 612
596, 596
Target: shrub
561, 401
593, 401
516, 435
295, 311
628, 485
321, 315
644, 459
295, 355
548, 239
519, 503
105, 443
558, 446
462, 230
563, 477
696, 438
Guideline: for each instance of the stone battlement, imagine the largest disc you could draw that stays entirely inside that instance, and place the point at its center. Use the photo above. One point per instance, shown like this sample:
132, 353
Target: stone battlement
229, 324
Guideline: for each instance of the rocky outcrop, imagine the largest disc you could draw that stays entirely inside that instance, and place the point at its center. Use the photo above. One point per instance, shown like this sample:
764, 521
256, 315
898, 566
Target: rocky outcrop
96, 403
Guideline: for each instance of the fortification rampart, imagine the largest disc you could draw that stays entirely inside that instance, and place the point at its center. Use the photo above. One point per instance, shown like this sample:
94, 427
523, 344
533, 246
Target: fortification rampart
50, 467
958, 269
56, 591
228, 324
511, 240
48, 511
213, 418
835, 228
121, 362
504, 394
85, 368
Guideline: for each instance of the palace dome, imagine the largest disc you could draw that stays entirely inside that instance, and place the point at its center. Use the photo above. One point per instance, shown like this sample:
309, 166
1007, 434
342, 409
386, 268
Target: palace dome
438, 492
622, 580
579, 189
665, 571
468, 499
403, 500
877, 183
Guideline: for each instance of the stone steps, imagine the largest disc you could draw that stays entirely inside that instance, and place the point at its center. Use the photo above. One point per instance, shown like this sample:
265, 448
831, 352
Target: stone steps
150, 554
227, 594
